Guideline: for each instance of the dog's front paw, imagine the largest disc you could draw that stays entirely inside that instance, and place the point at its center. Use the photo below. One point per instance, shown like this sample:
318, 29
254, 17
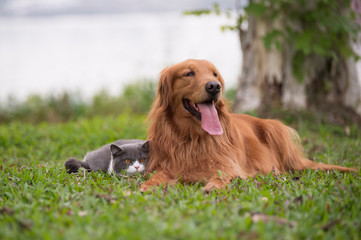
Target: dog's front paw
155, 180
210, 186
145, 187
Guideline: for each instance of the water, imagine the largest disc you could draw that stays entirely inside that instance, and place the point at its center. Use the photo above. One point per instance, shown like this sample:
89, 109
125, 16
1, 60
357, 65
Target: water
87, 53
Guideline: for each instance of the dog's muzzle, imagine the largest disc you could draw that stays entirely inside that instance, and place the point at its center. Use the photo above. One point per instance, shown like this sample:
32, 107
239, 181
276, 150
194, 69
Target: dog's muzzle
213, 88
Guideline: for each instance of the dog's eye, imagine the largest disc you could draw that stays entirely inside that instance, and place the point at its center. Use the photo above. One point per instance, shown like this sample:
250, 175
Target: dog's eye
215, 74
189, 74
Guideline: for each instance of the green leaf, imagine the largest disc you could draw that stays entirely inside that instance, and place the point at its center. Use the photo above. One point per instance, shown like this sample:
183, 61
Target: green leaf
220, 174
271, 38
228, 27
303, 42
346, 51
297, 66
216, 9
198, 12
356, 57
256, 9
319, 50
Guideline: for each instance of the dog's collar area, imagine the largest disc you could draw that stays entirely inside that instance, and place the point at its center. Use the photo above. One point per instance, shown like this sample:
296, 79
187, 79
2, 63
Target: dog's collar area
192, 108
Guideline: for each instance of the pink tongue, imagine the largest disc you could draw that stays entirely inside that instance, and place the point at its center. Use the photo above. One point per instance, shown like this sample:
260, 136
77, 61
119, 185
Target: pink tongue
210, 120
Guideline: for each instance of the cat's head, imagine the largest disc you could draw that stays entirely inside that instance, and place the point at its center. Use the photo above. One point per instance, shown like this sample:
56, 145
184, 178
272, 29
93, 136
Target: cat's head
130, 158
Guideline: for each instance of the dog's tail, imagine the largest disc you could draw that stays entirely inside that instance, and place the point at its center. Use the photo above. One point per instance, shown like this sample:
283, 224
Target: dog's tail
287, 145
72, 165
324, 167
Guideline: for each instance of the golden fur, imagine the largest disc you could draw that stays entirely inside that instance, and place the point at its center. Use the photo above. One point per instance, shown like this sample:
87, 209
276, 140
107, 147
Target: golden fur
181, 149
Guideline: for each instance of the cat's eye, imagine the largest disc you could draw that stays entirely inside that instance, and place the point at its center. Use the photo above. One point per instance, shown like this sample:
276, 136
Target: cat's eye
141, 160
127, 161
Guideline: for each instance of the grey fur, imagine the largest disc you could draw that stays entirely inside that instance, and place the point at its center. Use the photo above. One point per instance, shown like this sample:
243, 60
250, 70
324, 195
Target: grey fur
116, 152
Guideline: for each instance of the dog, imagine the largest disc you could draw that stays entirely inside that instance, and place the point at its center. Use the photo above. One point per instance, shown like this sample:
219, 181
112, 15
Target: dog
195, 138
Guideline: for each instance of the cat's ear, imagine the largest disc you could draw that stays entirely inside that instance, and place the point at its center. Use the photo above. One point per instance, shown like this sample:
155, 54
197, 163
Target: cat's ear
145, 146
115, 149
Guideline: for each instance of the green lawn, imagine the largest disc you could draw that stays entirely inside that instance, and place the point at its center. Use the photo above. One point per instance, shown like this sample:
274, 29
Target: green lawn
38, 200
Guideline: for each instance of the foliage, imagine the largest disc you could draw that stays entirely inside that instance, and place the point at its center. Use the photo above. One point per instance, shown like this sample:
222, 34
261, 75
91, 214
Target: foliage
139, 97
200, 12
230, 94
38, 200
320, 27
135, 98
54, 108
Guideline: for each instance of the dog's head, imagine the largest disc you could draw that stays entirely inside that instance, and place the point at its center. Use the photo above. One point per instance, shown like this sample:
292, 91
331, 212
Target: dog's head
192, 91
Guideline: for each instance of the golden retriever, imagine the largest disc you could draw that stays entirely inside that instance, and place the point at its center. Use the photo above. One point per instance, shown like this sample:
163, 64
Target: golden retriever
195, 138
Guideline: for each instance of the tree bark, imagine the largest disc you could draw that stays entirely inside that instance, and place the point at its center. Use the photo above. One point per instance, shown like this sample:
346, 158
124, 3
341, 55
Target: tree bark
333, 85
267, 78
248, 95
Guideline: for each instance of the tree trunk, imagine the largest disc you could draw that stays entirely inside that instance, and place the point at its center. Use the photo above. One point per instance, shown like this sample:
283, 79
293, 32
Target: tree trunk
333, 85
267, 78
248, 95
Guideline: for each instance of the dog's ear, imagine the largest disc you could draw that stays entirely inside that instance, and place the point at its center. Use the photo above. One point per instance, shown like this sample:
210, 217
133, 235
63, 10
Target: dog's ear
163, 98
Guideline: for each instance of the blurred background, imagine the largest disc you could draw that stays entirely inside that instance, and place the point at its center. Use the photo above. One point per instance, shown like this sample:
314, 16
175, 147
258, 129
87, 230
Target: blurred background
84, 46
62, 59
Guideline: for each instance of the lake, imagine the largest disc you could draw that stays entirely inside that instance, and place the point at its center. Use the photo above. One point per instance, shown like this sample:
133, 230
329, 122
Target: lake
86, 53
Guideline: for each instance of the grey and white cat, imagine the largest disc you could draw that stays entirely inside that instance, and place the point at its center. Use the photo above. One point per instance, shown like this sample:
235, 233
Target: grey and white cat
121, 156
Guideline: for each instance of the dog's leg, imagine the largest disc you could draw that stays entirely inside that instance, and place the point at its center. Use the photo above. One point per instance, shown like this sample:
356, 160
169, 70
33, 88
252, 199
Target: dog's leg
324, 167
157, 179
217, 181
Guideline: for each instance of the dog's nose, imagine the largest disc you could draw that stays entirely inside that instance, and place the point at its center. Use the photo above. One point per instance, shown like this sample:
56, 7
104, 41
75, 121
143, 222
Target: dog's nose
213, 87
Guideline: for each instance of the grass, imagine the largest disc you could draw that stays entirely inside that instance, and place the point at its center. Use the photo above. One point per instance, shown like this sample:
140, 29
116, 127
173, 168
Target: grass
135, 98
38, 200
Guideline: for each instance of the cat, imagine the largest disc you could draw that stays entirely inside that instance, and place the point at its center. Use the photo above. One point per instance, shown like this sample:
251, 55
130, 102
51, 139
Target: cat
129, 156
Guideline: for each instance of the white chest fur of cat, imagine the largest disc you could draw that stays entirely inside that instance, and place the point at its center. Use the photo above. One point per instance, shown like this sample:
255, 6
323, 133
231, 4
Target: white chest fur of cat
127, 157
